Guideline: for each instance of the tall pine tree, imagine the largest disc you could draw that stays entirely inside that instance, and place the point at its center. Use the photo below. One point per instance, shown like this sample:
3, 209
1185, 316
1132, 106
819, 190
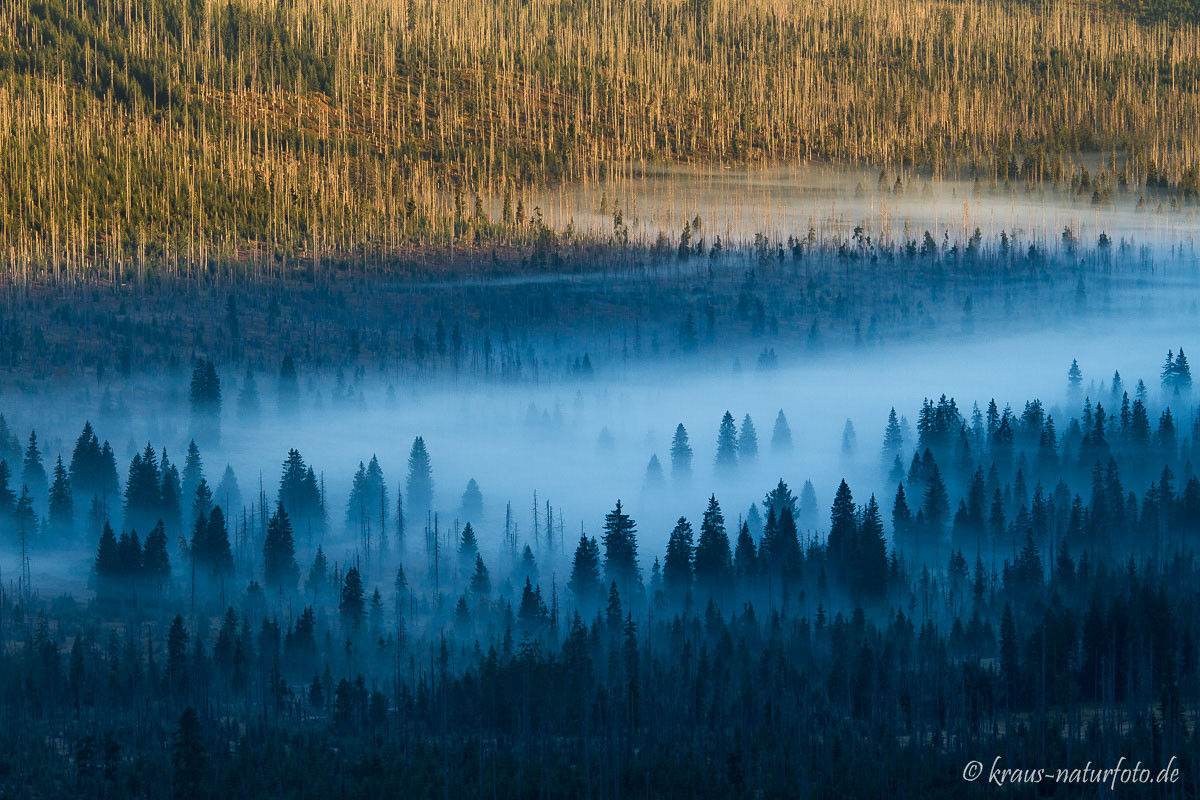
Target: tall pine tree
620, 550
279, 552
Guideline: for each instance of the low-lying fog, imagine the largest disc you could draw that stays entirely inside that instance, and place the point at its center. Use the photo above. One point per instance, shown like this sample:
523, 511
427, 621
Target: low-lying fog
581, 446
737, 203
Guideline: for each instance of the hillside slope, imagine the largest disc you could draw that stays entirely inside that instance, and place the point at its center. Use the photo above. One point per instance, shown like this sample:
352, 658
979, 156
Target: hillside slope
177, 134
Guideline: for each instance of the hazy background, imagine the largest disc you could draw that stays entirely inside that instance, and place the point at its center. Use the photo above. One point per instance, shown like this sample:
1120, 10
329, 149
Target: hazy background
583, 444
738, 202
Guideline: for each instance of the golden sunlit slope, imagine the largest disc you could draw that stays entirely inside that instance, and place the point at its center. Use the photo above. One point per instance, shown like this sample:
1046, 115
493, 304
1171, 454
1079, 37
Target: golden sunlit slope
176, 134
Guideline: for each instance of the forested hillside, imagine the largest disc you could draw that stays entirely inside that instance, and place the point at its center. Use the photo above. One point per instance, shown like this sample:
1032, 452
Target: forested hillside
173, 136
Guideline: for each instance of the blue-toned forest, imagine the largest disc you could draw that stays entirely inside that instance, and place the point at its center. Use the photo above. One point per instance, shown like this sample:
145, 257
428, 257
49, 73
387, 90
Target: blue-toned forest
599, 399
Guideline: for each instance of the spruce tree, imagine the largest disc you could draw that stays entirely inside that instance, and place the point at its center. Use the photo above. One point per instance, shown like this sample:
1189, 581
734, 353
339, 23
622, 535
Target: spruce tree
156, 562
202, 500
785, 554
129, 554
937, 503
200, 550
747, 444
745, 557
34, 473
193, 471
768, 545
177, 666
299, 492
217, 540
24, 515
532, 613
189, 761
1183, 373
727, 445
472, 501
314, 500
901, 515
289, 387
481, 584
1167, 374
62, 506
279, 552
317, 574
86, 470
1074, 384
468, 546
872, 561
613, 614
366, 510
205, 396
108, 561
249, 405
781, 435
352, 605
779, 497
654, 479
754, 522
143, 498
681, 455
356, 506
677, 566
808, 505
223, 650
8, 498
842, 527
110, 488
228, 495
713, 558
170, 502
620, 549
584, 582
419, 487
375, 613
893, 439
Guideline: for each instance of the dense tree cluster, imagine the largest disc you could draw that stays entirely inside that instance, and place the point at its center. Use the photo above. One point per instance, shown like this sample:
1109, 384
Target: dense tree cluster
793, 296
1030, 566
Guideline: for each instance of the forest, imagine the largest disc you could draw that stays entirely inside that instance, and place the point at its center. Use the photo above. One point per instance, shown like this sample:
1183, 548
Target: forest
215, 585
599, 398
265, 136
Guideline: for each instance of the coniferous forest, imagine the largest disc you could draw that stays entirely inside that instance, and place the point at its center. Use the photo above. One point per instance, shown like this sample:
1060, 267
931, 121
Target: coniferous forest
599, 399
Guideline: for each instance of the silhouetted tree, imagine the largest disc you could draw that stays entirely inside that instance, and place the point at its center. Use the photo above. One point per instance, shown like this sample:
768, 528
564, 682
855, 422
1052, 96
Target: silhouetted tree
781, 435
747, 444
289, 386
279, 552
584, 582
189, 761
61, 517
419, 488
620, 549
34, 473
681, 455
677, 566
727, 444
713, 559
205, 396
352, 605
472, 501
